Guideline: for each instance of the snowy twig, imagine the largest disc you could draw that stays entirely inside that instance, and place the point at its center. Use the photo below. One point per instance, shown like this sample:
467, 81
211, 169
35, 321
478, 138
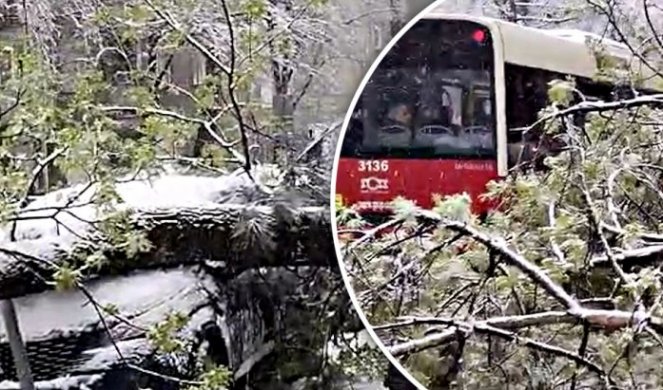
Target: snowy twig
193, 41
36, 173
173, 232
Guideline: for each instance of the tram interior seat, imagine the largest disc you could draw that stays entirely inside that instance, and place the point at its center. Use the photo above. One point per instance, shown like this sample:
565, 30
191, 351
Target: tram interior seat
394, 136
434, 128
434, 135
479, 136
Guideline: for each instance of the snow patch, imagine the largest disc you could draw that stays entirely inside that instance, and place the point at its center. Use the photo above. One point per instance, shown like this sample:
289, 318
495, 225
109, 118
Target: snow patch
353, 340
147, 296
82, 382
47, 218
105, 358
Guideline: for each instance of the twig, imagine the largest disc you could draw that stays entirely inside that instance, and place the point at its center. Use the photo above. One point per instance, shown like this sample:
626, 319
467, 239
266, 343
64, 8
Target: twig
499, 246
36, 173
231, 90
193, 41
441, 338
316, 141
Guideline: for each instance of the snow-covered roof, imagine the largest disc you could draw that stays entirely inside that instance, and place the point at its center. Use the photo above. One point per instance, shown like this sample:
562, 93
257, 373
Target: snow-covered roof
562, 51
579, 36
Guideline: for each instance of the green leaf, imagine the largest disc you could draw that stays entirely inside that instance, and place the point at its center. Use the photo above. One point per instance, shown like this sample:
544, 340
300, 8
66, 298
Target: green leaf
136, 244
561, 91
139, 13
163, 335
505, 283
255, 9
96, 260
214, 155
66, 277
140, 96
215, 378
455, 207
106, 193
111, 309
404, 208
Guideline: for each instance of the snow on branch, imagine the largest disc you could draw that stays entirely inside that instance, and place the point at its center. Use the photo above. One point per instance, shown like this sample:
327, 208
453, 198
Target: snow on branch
512, 257
587, 107
484, 328
615, 319
609, 320
183, 219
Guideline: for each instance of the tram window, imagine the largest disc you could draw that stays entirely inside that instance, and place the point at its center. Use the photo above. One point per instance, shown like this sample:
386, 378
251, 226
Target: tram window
526, 96
420, 101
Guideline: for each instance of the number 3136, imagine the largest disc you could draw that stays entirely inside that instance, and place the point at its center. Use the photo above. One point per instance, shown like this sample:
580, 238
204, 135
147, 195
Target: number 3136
373, 165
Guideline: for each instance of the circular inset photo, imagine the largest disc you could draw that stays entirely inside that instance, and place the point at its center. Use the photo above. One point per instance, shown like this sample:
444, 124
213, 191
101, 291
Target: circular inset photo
497, 197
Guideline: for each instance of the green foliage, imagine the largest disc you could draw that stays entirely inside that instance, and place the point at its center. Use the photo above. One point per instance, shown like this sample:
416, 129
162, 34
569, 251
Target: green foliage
597, 198
111, 113
561, 92
606, 64
206, 92
119, 231
255, 9
164, 335
214, 155
217, 378
455, 207
317, 3
404, 208
66, 277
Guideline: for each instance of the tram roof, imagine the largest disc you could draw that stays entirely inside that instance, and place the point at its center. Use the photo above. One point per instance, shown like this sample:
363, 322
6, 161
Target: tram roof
564, 51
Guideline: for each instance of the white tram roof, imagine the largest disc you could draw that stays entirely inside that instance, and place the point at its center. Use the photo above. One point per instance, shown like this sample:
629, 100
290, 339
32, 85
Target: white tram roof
563, 50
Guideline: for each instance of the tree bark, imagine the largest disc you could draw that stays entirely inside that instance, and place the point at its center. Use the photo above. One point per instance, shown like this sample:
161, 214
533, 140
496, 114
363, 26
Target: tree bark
185, 236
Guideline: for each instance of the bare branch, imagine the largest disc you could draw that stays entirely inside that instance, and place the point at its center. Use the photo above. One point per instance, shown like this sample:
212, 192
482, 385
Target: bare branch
193, 41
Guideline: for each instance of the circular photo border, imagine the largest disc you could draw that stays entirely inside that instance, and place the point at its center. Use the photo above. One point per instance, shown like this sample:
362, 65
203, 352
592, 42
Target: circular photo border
332, 198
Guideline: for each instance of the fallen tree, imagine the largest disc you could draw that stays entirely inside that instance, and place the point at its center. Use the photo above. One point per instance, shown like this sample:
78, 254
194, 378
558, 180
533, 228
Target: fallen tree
265, 275
181, 236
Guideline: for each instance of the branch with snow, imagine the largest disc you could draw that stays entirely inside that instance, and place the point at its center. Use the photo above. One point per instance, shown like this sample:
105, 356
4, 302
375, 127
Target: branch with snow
185, 219
506, 327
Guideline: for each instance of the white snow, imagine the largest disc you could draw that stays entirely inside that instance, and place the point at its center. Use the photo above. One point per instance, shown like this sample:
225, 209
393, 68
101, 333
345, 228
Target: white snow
105, 357
82, 382
354, 340
580, 36
149, 296
166, 191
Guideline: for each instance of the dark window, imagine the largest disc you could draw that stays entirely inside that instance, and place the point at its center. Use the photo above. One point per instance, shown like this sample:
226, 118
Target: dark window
431, 97
526, 95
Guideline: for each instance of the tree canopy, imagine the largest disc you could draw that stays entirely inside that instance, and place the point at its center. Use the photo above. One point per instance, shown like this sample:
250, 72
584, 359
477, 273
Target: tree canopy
159, 134
560, 286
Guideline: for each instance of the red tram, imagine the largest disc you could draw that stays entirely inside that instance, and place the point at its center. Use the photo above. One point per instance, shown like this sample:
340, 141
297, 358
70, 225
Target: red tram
444, 109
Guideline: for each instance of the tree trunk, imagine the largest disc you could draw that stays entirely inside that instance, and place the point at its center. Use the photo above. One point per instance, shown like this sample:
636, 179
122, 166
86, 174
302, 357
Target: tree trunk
282, 100
182, 236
